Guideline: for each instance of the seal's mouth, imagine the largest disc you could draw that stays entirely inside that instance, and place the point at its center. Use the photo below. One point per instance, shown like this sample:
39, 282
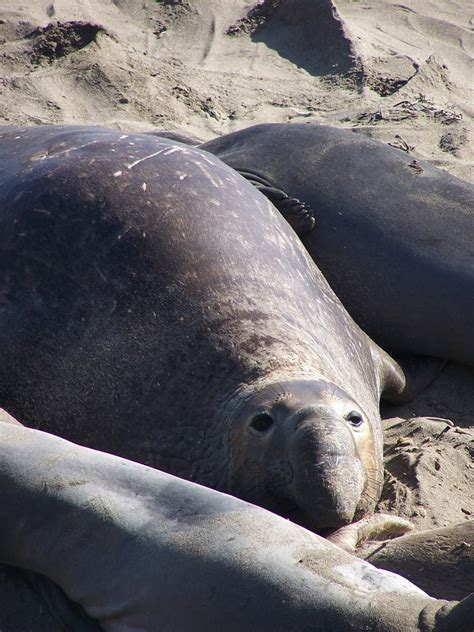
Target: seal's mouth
323, 525
302, 519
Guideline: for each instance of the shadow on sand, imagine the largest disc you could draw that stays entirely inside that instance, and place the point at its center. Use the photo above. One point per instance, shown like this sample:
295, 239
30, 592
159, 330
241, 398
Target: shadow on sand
309, 33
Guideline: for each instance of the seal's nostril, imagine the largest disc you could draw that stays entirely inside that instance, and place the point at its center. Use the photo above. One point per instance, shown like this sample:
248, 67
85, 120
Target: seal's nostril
354, 418
262, 422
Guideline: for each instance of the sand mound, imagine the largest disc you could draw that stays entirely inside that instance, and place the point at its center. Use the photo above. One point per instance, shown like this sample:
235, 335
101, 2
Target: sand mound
308, 33
397, 73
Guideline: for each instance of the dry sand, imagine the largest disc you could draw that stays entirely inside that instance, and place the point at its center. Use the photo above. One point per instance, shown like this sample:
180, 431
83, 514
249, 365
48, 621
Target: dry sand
398, 73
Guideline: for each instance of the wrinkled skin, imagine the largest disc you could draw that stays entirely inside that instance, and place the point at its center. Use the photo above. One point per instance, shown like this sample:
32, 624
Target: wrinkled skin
149, 294
142, 550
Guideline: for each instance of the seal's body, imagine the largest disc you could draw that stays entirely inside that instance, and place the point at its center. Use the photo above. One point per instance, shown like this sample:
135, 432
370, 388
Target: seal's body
156, 306
440, 561
393, 235
139, 549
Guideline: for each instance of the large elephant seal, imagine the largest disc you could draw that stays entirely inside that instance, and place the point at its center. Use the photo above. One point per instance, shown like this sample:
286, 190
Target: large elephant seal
139, 549
393, 235
156, 306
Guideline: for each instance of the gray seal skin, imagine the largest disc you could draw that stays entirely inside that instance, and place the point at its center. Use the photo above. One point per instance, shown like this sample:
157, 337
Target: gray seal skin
30, 601
156, 306
440, 561
142, 550
393, 235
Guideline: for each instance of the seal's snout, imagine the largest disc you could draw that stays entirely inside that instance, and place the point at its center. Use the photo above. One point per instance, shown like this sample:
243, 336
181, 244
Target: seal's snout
330, 477
304, 449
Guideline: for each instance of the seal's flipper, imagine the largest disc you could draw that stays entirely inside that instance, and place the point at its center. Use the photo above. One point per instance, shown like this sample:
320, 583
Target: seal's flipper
391, 379
299, 215
420, 372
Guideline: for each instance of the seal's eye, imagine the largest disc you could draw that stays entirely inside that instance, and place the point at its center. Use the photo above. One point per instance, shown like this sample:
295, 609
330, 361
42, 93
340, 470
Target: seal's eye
262, 422
355, 418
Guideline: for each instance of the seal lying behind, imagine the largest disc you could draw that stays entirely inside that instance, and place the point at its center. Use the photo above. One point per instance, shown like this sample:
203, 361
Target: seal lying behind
440, 561
156, 306
393, 235
140, 549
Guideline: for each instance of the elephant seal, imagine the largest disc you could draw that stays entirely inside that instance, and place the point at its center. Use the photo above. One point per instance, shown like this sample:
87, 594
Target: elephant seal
440, 561
393, 235
156, 306
141, 549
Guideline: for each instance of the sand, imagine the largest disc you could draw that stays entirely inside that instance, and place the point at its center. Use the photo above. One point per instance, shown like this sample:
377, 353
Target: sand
397, 73
394, 72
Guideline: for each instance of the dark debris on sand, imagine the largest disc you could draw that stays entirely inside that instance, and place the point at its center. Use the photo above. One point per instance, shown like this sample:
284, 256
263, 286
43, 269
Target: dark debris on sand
257, 16
60, 39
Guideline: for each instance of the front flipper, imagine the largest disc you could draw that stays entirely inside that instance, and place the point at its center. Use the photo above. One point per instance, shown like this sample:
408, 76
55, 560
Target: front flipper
420, 372
390, 377
403, 379
299, 215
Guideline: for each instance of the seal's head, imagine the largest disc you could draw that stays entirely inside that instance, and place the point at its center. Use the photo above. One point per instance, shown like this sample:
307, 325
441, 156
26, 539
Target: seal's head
306, 450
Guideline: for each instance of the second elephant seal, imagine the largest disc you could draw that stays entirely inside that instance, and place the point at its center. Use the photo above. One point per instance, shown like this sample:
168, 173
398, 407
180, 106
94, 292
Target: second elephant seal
393, 235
